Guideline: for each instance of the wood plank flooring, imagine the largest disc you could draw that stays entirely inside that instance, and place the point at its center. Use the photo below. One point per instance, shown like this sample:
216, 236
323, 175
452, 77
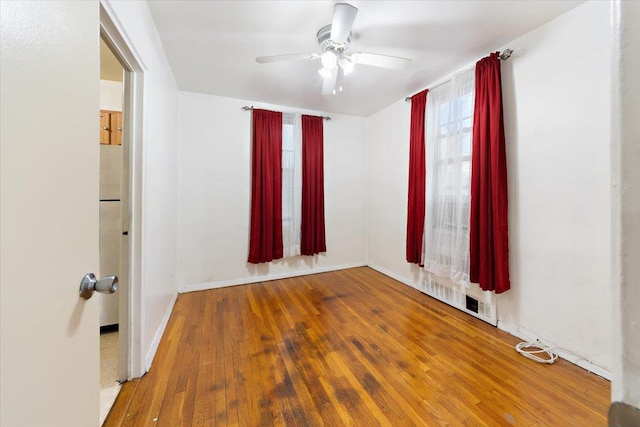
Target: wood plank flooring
351, 347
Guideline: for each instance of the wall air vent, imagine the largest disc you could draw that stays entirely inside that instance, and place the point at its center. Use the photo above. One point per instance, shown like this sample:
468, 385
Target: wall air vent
468, 299
472, 304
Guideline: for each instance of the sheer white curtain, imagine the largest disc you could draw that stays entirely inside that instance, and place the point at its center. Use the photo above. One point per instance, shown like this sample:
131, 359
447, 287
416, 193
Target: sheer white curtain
448, 151
291, 183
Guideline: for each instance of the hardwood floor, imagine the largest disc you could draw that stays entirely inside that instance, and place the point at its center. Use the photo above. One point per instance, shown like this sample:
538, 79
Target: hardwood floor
351, 347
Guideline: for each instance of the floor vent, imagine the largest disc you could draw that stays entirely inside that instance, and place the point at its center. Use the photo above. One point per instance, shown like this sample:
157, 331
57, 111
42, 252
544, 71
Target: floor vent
475, 302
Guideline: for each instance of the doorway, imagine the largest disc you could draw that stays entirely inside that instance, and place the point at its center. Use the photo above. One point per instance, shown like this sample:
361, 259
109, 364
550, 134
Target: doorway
130, 362
113, 230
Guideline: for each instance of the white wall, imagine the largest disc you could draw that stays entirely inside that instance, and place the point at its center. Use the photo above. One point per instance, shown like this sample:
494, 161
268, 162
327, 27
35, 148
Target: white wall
110, 95
159, 172
214, 195
387, 180
556, 103
557, 123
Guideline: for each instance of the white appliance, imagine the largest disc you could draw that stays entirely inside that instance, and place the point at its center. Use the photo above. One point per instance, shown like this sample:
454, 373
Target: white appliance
110, 227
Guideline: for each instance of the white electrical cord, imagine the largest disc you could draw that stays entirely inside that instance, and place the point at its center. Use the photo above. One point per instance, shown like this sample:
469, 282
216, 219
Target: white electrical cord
530, 350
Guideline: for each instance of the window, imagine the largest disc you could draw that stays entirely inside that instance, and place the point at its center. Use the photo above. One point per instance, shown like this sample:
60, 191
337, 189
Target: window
277, 184
453, 135
288, 162
448, 130
291, 183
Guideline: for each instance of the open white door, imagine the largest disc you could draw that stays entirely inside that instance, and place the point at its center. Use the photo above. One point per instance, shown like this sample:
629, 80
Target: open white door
49, 108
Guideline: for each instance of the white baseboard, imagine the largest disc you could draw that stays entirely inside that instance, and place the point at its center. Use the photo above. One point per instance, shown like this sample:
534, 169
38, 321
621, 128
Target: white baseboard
255, 279
567, 355
158, 336
394, 276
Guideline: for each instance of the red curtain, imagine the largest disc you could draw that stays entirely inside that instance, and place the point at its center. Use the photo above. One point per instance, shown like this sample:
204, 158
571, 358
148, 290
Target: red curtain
266, 187
417, 173
312, 238
489, 242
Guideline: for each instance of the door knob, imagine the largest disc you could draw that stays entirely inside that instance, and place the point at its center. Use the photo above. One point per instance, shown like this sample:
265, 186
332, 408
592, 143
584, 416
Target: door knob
105, 285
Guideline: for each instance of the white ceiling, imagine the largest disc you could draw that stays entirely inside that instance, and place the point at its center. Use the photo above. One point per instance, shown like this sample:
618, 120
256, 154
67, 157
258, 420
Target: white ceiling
212, 45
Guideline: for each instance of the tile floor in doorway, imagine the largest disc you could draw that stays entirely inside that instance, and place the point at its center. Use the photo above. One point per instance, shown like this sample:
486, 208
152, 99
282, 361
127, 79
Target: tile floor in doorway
109, 387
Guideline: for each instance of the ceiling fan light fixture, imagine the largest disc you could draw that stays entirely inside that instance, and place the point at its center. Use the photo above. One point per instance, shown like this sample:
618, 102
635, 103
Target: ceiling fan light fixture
347, 65
329, 60
324, 72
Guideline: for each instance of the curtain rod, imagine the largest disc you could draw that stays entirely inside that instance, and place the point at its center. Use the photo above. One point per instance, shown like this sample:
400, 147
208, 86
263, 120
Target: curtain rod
504, 55
246, 108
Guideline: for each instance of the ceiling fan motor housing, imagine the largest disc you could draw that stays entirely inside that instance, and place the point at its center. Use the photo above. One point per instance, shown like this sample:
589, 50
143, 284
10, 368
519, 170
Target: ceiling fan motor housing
325, 42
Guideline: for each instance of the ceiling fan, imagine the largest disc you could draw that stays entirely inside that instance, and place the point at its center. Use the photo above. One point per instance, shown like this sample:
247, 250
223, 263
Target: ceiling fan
334, 40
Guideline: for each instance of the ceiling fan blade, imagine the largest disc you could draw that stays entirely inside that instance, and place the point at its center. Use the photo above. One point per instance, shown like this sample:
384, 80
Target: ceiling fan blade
343, 16
329, 83
384, 61
286, 57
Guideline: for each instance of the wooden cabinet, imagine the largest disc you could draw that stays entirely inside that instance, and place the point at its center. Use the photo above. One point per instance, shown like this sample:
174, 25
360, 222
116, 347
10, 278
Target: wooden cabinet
110, 127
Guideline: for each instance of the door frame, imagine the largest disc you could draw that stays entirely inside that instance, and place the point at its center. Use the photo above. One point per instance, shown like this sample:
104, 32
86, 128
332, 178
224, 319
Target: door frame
131, 359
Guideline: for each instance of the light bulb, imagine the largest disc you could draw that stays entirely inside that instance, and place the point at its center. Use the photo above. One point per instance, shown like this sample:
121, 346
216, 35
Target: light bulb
346, 65
329, 60
324, 72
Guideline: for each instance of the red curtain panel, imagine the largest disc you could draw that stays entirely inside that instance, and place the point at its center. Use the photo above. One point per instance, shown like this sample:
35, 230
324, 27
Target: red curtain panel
417, 172
312, 238
488, 240
265, 242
